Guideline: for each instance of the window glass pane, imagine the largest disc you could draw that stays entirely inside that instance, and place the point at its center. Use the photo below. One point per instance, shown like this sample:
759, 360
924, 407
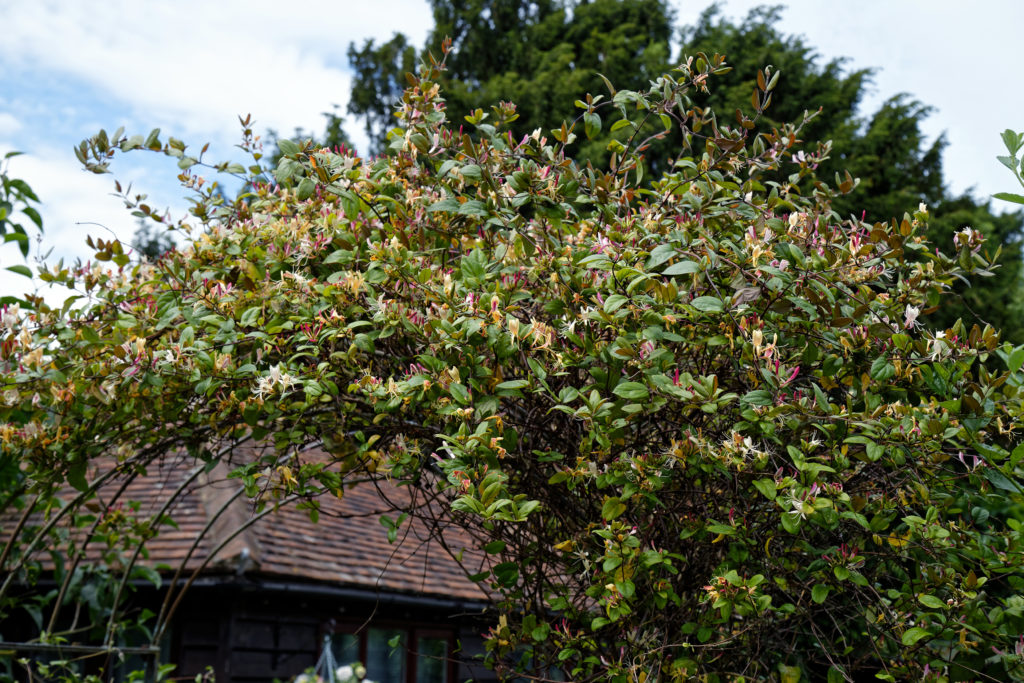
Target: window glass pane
385, 664
431, 660
345, 648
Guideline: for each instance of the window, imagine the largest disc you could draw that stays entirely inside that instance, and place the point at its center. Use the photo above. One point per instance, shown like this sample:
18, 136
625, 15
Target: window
396, 653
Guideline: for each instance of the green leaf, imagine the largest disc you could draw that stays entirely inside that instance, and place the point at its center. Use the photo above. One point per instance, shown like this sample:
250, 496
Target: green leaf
612, 508
789, 674
339, 256
147, 573
660, 254
820, 593
758, 397
1009, 197
1016, 359
1012, 140
614, 302
820, 398
474, 207
513, 384
449, 204
882, 369
459, 392
591, 125
914, 634
305, 189
494, 547
708, 304
20, 270
681, 268
766, 487
287, 147
537, 368
1009, 162
76, 476
931, 601
622, 123
447, 166
597, 261
631, 390
1000, 480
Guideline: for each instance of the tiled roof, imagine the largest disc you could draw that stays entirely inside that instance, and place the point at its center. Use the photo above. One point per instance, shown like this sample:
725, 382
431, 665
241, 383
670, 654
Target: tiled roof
347, 547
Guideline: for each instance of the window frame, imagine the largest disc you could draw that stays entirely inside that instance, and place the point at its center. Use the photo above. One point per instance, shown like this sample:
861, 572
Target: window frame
411, 632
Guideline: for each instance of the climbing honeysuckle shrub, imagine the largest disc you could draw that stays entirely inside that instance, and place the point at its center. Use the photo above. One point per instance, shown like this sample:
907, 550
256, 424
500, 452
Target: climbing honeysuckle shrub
693, 424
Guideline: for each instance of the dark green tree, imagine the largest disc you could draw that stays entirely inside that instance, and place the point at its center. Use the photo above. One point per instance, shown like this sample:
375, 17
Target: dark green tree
151, 240
998, 299
379, 80
542, 55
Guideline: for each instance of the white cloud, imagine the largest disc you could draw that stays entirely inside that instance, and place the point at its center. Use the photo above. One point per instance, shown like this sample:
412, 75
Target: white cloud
193, 66
8, 123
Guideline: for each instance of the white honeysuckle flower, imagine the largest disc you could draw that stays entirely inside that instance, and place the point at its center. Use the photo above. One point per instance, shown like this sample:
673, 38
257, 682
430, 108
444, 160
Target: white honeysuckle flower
10, 317
922, 207
263, 387
910, 316
344, 674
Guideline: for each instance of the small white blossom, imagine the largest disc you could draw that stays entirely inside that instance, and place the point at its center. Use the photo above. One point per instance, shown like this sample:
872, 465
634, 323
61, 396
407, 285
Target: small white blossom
10, 316
274, 378
910, 316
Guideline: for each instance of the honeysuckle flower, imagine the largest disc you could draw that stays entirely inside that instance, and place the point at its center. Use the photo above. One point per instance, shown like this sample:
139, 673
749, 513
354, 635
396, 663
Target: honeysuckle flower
274, 378
757, 338
975, 461
801, 508
10, 316
910, 316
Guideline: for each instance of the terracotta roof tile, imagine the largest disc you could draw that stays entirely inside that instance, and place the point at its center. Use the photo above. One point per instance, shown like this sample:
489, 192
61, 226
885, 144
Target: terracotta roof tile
347, 547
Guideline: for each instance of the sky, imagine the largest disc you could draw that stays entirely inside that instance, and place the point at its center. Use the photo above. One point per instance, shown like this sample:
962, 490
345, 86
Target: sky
191, 68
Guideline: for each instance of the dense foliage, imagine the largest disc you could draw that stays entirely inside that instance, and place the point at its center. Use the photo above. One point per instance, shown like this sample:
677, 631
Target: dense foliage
694, 422
545, 55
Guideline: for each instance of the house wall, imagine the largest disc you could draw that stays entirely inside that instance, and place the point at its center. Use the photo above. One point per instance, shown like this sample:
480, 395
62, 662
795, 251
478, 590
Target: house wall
254, 633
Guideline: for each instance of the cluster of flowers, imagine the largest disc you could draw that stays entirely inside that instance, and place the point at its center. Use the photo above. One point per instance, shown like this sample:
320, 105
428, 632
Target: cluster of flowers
354, 673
